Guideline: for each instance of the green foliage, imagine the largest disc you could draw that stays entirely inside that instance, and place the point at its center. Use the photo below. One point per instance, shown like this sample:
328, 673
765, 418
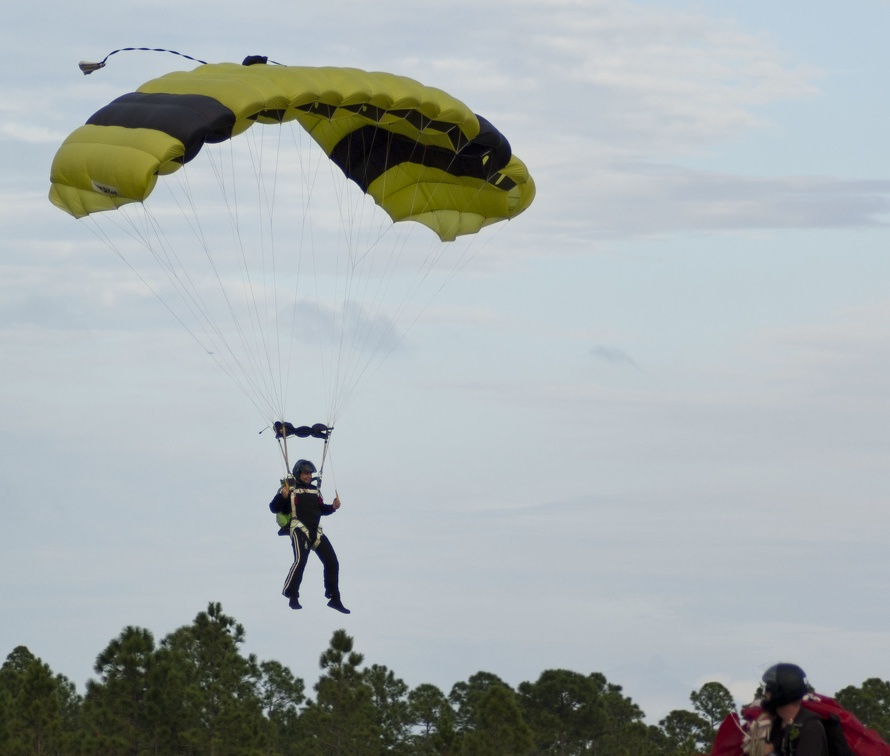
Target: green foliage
281, 695
686, 733
195, 694
565, 711
500, 727
38, 710
713, 702
432, 721
870, 703
571, 713
342, 719
214, 684
389, 696
115, 712
465, 697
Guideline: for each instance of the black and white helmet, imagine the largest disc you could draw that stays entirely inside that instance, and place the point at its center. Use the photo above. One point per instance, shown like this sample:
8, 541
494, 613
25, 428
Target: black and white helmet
304, 465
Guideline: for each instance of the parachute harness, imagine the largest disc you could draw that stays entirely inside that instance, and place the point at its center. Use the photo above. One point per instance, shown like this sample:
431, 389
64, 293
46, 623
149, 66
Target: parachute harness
282, 431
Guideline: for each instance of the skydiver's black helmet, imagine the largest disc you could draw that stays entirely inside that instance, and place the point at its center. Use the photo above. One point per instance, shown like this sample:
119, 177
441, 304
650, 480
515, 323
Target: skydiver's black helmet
304, 465
784, 684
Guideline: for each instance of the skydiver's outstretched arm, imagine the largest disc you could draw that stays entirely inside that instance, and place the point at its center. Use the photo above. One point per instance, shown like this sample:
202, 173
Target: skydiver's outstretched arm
327, 509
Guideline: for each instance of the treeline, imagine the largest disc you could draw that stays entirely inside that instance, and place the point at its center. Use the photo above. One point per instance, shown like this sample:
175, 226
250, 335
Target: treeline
196, 693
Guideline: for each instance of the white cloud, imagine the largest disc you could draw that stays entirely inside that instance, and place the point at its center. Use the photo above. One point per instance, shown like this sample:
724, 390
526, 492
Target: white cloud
659, 78
635, 200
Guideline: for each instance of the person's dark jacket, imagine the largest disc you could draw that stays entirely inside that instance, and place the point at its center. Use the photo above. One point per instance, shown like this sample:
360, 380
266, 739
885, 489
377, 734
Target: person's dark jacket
805, 736
310, 508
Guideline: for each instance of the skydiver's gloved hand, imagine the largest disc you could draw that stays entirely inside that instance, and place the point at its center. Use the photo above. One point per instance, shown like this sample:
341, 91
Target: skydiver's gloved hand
336, 503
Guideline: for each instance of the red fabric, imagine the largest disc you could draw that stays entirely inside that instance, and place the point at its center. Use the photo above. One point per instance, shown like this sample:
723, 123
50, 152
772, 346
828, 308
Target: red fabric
862, 740
728, 741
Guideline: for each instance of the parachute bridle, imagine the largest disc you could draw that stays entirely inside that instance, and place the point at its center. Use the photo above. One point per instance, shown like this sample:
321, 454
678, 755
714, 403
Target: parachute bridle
88, 67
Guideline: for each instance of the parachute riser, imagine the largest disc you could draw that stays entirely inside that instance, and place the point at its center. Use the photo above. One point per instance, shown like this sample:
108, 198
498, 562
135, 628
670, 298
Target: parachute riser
324, 454
319, 430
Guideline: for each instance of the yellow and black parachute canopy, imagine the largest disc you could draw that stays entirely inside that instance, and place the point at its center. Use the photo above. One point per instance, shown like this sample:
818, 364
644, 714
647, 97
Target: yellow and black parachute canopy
419, 152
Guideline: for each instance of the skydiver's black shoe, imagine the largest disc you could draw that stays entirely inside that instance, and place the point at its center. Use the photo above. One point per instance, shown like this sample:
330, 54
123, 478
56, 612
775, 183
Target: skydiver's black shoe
335, 603
294, 602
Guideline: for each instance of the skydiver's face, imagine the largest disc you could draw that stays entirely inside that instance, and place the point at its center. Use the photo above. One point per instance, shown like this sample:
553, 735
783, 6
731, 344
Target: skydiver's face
306, 477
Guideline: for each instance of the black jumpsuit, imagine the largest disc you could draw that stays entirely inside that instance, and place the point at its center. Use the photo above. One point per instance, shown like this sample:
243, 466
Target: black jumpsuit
305, 536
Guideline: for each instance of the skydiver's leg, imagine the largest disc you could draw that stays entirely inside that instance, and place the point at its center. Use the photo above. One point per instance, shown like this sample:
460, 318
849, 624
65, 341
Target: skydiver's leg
331, 574
328, 558
300, 545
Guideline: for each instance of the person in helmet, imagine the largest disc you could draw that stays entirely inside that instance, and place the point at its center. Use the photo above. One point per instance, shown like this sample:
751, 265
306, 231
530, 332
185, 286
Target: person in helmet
795, 731
303, 505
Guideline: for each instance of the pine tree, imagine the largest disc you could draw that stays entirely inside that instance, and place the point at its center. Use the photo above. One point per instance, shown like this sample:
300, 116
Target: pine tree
38, 710
433, 720
499, 726
206, 691
115, 709
342, 719
389, 695
282, 694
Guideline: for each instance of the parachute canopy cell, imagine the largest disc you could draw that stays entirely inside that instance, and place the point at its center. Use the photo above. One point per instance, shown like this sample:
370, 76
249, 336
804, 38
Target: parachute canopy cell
420, 153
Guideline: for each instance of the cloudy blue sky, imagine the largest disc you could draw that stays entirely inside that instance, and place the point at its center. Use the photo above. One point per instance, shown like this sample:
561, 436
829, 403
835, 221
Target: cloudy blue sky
642, 431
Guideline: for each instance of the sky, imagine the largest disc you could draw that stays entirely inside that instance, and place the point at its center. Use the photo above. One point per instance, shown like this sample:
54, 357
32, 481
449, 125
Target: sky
641, 431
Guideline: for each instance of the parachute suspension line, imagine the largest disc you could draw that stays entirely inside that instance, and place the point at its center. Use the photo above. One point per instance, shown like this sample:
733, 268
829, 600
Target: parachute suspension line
258, 307
231, 205
357, 320
356, 330
342, 299
270, 202
390, 263
254, 341
189, 292
371, 303
87, 67
311, 177
307, 175
100, 234
429, 262
161, 252
367, 334
379, 351
349, 300
249, 370
258, 346
164, 254
305, 230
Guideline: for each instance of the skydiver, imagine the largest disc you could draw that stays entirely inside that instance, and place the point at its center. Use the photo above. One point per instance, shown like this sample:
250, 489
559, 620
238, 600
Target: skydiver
795, 731
304, 504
